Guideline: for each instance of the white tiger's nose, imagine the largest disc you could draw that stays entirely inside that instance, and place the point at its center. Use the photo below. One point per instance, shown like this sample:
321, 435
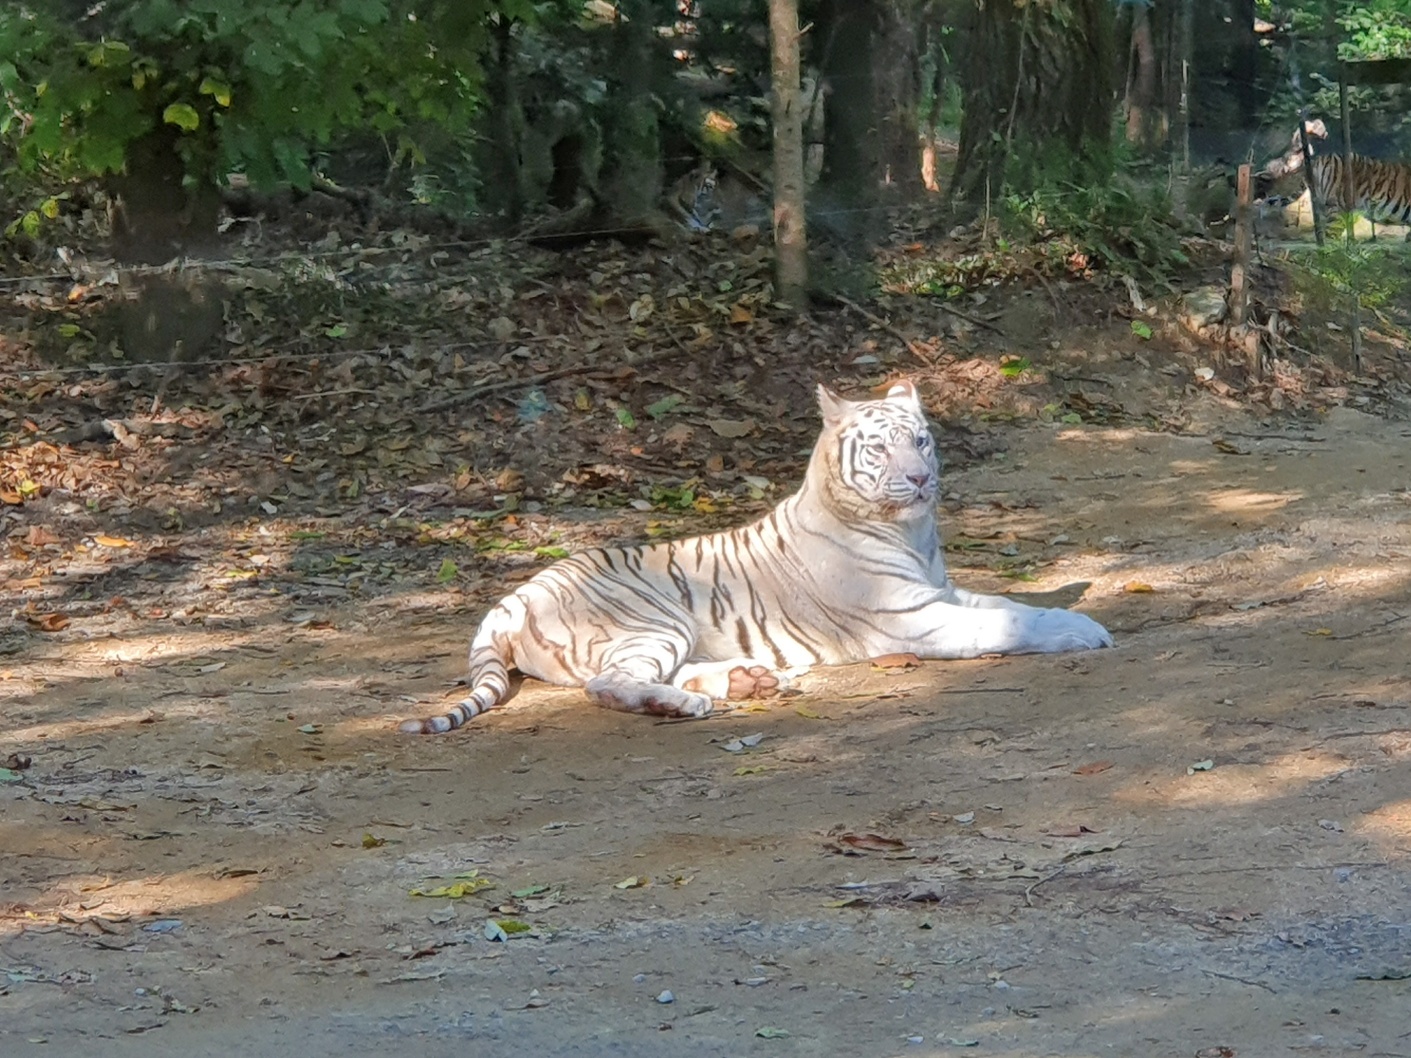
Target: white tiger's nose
920, 480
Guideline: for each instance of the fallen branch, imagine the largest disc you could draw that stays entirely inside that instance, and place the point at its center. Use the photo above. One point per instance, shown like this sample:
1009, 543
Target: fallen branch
476, 392
968, 318
1395, 618
914, 348
1276, 436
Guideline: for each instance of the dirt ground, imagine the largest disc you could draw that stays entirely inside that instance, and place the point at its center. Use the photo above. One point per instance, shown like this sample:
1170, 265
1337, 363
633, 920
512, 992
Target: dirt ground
1196, 843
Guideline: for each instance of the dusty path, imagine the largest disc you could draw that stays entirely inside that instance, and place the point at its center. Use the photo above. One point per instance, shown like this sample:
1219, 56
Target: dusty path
190, 869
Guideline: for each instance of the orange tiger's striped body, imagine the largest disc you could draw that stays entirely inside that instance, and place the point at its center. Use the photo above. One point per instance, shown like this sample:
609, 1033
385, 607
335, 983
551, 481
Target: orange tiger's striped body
1380, 189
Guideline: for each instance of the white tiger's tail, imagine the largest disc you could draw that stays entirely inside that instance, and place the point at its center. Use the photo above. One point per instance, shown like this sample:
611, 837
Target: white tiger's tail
489, 671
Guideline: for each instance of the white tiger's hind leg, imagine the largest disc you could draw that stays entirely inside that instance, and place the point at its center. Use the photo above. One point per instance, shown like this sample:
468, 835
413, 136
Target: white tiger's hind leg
633, 674
619, 690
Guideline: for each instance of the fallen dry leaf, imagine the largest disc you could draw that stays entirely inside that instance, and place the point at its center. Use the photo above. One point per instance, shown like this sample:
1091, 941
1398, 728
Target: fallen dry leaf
1092, 767
678, 434
731, 427
111, 541
896, 661
38, 536
1237, 914
1136, 587
1076, 831
48, 622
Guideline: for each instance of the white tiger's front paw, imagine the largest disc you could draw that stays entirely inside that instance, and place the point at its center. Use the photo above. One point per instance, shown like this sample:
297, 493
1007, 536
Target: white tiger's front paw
1057, 631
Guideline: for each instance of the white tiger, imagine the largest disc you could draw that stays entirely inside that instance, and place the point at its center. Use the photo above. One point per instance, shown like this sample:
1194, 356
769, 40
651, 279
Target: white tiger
848, 568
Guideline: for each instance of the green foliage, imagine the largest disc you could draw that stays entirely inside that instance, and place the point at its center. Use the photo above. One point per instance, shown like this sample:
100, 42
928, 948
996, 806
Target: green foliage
1124, 221
1324, 31
248, 86
1331, 275
1375, 29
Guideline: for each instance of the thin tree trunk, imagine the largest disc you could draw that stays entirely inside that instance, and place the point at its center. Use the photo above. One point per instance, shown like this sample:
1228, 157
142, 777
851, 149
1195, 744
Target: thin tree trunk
1185, 36
790, 232
1141, 89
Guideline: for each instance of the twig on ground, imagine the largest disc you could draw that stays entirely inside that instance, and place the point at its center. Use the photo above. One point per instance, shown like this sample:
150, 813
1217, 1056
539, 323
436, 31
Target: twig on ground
1029, 892
1276, 436
1241, 980
912, 347
1060, 315
1375, 628
968, 318
476, 392
982, 690
331, 393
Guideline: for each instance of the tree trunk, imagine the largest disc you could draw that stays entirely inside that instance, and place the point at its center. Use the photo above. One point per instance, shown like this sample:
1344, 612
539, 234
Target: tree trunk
790, 233
897, 83
1244, 63
631, 142
933, 66
1141, 87
155, 216
851, 173
1038, 93
504, 190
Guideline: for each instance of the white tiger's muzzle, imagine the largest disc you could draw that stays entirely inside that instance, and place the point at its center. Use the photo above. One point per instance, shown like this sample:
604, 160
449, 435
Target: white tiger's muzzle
912, 482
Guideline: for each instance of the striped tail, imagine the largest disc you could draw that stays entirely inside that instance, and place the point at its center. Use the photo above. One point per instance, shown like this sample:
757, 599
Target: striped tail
489, 671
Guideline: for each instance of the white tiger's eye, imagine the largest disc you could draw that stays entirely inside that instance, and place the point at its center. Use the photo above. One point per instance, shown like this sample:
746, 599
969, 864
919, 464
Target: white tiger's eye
923, 441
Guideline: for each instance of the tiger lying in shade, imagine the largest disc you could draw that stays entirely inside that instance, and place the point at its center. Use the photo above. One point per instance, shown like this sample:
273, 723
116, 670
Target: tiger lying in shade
848, 568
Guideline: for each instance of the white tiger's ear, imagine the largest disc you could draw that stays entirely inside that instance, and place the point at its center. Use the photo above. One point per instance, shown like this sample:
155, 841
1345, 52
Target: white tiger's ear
903, 391
831, 405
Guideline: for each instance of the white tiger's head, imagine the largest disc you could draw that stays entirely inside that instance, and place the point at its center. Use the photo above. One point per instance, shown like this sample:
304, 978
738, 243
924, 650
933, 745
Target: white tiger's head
876, 459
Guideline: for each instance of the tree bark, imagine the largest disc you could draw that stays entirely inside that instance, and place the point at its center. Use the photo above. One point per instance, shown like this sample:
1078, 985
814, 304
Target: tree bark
851, 170
1038, 93
934, 69
1141, 88
156, 217
1244, 63
897, 84
790, 232
504, 191
632, 141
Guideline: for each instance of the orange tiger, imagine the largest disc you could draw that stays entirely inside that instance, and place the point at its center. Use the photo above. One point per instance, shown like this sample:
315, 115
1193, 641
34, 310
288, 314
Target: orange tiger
1380, 189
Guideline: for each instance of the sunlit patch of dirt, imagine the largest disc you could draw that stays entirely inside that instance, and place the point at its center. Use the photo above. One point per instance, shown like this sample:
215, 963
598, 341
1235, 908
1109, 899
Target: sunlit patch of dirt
218, 613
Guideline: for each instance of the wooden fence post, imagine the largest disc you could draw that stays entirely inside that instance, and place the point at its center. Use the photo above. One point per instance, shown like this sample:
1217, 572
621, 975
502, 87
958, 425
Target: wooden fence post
1315, 201
1239, 271
1349, 203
